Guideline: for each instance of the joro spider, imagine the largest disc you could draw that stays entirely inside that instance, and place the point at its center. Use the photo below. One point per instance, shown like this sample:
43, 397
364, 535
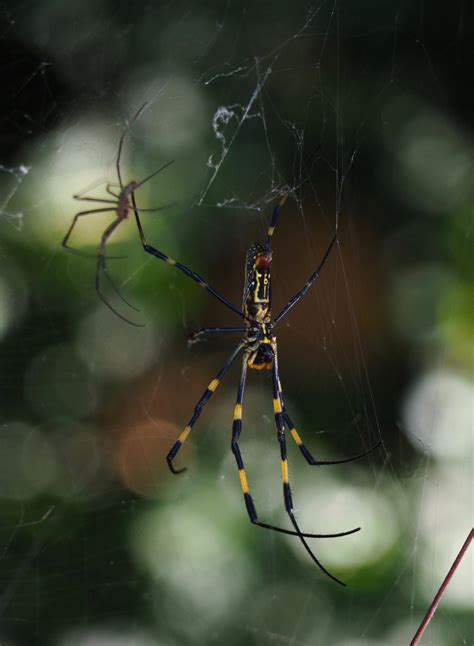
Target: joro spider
122, 204
259, 351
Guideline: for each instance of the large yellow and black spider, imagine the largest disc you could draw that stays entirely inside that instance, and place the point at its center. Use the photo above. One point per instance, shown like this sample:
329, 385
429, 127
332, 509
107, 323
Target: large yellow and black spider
259, 351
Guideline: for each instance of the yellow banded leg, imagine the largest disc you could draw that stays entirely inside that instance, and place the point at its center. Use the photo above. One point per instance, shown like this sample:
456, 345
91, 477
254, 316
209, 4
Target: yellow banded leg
273, 221
210, 390
236, 431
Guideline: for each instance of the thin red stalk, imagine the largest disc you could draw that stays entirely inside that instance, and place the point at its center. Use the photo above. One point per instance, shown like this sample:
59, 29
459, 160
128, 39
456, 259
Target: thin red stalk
432, 609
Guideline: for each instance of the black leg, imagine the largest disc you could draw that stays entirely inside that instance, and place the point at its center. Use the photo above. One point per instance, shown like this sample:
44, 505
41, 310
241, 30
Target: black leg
309, 457
304, 450
279, 421
174, 263
249, 504
314, 276
273, 223
194, 337
210, 390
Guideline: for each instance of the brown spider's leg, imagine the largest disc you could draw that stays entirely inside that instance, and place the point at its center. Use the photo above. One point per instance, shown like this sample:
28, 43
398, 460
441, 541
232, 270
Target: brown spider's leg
73, 224
143, 181
249, 504
94, 199
314, 276
122, 138
210, 390
110, 192
279, 421
101, 268
157, 208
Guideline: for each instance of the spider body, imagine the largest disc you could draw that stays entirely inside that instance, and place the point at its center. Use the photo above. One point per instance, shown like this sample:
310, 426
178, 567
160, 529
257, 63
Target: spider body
258, 350
260, 344
122, 203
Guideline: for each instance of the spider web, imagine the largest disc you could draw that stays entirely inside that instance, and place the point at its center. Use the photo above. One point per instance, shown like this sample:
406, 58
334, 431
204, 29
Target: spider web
358, 115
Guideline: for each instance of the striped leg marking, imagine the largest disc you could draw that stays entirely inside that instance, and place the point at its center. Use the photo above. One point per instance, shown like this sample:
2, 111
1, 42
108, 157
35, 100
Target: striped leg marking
273, 222
185, 270
210, 390
236, 431
309, 457
279, 421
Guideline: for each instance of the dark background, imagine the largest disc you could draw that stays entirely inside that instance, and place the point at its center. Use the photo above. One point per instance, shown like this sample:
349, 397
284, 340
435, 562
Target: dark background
362, 112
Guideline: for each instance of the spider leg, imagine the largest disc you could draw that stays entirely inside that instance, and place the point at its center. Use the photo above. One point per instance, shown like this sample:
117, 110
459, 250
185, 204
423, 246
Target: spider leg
73, 224
143, 181
157, 208
195, 337
273, 222
94, 199
206, 396
309, 457
122, 139
304, 450
249, 504
174, 263
279, 421
110, 192
101, 269
314, 276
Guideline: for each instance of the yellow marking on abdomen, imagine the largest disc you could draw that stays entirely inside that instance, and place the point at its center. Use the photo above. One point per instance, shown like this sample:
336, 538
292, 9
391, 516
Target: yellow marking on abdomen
187, 430
284, 471
295, 436
170, 261
213, 385
276, 406
270, 231
243, 481
260, 366
238, 411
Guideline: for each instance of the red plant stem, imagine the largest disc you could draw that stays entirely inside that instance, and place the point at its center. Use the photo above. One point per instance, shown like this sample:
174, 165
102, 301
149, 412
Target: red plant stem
432, 609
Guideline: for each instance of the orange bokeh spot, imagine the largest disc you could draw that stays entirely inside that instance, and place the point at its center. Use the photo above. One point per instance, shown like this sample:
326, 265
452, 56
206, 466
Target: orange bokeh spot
141, 457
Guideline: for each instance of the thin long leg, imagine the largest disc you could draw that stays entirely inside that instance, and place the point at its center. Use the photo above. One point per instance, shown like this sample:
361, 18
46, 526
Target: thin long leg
157, 208
194, 337
101, 268
309, 457
143, 181
314, 276
249, 504
299, 442
279, 421
94, 199
73, 224
210, 390
174, 263
119, 156
273, 223
110, 192
122, 139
